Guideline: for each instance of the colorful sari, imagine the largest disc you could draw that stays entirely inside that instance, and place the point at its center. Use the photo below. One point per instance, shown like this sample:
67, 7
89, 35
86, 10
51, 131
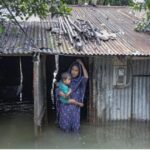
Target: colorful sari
68, 115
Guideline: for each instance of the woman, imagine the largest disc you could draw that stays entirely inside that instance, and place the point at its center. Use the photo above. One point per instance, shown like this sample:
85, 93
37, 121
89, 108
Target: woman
68, 115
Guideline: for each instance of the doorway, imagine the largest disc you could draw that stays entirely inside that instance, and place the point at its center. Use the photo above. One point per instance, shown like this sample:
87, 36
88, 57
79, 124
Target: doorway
64, 64
10, 87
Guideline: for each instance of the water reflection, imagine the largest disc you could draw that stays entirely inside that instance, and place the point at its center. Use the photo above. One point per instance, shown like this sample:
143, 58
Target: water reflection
16, 131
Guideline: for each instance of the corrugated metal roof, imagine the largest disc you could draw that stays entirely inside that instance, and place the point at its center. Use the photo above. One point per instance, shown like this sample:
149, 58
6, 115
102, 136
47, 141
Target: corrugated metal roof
116, 19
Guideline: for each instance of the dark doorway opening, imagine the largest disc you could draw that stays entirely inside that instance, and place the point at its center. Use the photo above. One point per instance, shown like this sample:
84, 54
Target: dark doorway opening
64, 64
10, 84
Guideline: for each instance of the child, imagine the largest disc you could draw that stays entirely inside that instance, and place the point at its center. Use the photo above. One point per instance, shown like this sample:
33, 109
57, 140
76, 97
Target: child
65, 91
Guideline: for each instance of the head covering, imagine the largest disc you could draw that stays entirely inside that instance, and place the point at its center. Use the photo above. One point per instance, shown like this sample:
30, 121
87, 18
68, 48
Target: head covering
78, 83
75, 63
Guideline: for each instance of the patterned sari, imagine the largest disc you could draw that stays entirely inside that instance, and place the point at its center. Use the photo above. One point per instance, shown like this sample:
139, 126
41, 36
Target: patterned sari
68, 115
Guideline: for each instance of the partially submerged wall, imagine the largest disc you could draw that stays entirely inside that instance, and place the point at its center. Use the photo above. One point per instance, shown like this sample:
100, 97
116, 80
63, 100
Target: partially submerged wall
109, 102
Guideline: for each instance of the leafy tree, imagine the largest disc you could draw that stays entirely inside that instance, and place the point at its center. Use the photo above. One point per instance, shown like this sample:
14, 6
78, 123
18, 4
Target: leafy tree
144, 25
27, 8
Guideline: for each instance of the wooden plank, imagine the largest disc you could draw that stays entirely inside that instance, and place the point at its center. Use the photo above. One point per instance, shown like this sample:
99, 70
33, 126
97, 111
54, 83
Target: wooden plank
43, 59
39, 86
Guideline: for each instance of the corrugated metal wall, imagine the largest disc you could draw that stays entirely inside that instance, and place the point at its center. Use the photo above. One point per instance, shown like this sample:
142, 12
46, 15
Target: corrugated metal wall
141, 98
120, 103
141, 90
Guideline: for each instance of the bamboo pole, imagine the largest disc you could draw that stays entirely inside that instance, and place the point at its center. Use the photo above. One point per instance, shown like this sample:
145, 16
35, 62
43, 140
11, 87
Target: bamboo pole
97, 39
76, 27
68, 31
62, 25
21, 80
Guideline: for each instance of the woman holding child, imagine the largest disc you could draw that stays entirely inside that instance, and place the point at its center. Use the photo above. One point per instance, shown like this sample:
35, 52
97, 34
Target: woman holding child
70, 95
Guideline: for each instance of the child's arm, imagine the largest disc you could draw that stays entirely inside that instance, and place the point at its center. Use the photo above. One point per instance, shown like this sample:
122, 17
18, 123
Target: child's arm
68, 94
62, 94
61, 90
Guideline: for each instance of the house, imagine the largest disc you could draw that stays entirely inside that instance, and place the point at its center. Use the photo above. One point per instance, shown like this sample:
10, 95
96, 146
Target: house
119, 70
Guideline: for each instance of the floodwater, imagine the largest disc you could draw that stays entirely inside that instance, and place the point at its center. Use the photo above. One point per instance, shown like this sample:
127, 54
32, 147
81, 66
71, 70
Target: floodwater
16, 131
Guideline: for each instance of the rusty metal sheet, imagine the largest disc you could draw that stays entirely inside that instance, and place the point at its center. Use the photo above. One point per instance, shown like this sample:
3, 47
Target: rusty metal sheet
115, 19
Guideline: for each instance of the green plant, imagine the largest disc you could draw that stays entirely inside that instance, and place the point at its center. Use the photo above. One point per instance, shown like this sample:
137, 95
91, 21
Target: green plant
26, 8
60, 9
2, 28
144, 25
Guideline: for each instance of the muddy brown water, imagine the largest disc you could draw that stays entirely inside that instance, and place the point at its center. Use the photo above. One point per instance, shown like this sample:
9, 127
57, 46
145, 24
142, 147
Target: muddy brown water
17, 131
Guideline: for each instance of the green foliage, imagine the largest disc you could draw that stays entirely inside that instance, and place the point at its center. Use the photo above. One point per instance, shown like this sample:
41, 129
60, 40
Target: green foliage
137, 7
27, 8
60, 9
145, 25
2, 29
148, 15
131, 3
140, 6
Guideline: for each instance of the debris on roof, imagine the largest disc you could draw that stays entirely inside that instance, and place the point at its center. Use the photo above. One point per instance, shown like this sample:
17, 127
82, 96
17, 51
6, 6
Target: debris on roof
56, 41
79, 31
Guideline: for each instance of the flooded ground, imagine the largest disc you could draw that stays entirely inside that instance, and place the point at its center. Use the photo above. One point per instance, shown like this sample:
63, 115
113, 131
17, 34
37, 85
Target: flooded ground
16, 131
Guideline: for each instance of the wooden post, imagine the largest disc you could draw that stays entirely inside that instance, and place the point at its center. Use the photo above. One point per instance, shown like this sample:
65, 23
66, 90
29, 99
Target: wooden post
43, 68
91, 107
39, 92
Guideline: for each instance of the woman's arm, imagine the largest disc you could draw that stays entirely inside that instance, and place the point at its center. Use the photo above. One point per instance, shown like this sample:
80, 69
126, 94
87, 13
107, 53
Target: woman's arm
85, 73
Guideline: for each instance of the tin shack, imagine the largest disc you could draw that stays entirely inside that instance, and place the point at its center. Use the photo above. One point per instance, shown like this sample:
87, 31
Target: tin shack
119, 69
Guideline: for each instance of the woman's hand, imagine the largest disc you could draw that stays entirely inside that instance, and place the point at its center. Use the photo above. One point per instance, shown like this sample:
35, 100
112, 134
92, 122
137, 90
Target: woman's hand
85, 73
72, 101
79, 61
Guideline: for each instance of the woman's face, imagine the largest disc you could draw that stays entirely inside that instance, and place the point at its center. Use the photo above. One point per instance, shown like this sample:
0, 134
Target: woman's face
74, 71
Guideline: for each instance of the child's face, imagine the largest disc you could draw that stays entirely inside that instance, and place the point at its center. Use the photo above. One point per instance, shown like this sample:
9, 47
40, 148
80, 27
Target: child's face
67, 81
